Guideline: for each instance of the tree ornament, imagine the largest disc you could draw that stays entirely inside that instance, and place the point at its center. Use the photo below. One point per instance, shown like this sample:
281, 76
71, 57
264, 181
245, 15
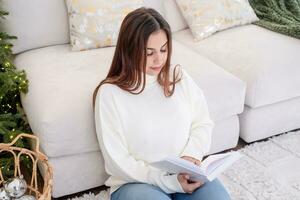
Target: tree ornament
15, 187
3, 194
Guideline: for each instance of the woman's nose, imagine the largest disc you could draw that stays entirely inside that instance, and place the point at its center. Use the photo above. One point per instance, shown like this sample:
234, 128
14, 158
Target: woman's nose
157, 58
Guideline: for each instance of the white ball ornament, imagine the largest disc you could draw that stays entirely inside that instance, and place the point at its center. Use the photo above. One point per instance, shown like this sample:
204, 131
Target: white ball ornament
15, 187
3, 194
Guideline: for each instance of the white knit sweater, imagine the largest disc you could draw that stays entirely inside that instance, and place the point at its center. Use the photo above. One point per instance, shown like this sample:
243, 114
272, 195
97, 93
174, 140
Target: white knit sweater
135, 130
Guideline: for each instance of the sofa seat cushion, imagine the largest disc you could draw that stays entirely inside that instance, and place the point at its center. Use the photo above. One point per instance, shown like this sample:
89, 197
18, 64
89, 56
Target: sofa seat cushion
61, 82
268, 62
263, 122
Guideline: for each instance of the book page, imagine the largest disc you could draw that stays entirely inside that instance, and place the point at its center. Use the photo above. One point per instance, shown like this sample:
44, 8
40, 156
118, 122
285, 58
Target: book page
216, 167
178, 165
209, 169
212, 162
215, 164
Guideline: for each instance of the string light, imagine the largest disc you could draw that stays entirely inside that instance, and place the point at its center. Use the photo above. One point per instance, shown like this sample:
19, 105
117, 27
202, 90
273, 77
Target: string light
19, 83
7, 64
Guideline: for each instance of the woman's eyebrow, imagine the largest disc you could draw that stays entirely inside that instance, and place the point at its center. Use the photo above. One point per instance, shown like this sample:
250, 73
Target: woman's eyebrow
161, 46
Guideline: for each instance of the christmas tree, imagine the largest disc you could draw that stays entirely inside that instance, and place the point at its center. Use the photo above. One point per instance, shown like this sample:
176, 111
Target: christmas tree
12, 83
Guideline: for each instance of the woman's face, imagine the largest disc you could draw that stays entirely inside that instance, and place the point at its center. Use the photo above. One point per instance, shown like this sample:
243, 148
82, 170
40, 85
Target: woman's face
157, 52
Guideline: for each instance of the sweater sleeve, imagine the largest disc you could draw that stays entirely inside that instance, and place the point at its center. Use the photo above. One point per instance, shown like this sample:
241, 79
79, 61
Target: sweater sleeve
201, 128
118, 160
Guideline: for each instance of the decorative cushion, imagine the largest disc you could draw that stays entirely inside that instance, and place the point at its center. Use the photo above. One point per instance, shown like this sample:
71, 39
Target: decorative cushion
96, 23
206, 17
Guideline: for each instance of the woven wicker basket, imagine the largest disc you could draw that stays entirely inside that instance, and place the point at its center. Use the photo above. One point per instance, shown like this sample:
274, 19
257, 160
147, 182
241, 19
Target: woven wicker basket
37, 158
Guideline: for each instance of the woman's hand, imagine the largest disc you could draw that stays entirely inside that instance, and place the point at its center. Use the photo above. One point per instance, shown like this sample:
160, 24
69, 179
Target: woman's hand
191, 159
186, 184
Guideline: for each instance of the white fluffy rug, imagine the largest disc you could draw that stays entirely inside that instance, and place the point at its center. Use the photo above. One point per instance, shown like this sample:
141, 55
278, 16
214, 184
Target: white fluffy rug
268, 170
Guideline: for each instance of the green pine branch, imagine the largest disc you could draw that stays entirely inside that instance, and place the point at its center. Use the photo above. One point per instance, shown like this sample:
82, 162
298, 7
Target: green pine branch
12, 117
2, 13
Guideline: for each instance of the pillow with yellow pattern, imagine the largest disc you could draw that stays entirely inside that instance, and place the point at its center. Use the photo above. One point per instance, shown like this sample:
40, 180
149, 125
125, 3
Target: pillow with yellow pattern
205, 17
96, 23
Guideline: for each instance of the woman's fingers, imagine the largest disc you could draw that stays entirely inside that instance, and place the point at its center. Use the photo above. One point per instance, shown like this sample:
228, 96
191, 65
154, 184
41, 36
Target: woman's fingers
183, 177
191, 159
197, 162
188, 186
191, 187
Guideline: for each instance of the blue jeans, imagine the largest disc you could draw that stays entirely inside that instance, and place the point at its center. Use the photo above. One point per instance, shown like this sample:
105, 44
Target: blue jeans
141, 191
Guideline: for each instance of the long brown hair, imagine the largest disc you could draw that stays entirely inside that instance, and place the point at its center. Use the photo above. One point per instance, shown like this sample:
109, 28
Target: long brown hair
128, 66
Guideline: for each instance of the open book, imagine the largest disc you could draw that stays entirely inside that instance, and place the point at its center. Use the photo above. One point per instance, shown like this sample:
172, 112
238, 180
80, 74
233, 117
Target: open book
208, 170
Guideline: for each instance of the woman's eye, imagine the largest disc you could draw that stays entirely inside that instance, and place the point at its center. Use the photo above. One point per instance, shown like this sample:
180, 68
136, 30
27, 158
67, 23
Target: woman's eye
163, 50
150, 54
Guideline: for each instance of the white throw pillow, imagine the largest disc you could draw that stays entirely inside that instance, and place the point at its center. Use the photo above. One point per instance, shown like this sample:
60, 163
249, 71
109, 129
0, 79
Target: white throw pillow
174, 16
96, 23
206, 17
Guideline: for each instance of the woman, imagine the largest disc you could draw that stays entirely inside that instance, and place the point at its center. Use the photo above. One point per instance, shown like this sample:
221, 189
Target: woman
146, 110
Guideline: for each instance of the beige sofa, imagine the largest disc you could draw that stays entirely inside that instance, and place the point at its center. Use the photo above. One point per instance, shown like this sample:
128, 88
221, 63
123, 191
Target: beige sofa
59, 102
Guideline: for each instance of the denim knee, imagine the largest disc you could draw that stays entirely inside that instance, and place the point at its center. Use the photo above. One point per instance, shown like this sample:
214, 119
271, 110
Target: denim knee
138, 191
213, 190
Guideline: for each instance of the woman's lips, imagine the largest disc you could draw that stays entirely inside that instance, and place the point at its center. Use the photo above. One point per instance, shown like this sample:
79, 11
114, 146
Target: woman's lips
156, 68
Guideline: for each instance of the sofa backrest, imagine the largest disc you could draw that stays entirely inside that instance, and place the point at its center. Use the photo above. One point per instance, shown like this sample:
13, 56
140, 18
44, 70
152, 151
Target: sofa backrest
36, 23
40, 23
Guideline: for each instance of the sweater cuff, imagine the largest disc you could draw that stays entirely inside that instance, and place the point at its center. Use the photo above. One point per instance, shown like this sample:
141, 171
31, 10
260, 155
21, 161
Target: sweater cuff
173, 180
168, 183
